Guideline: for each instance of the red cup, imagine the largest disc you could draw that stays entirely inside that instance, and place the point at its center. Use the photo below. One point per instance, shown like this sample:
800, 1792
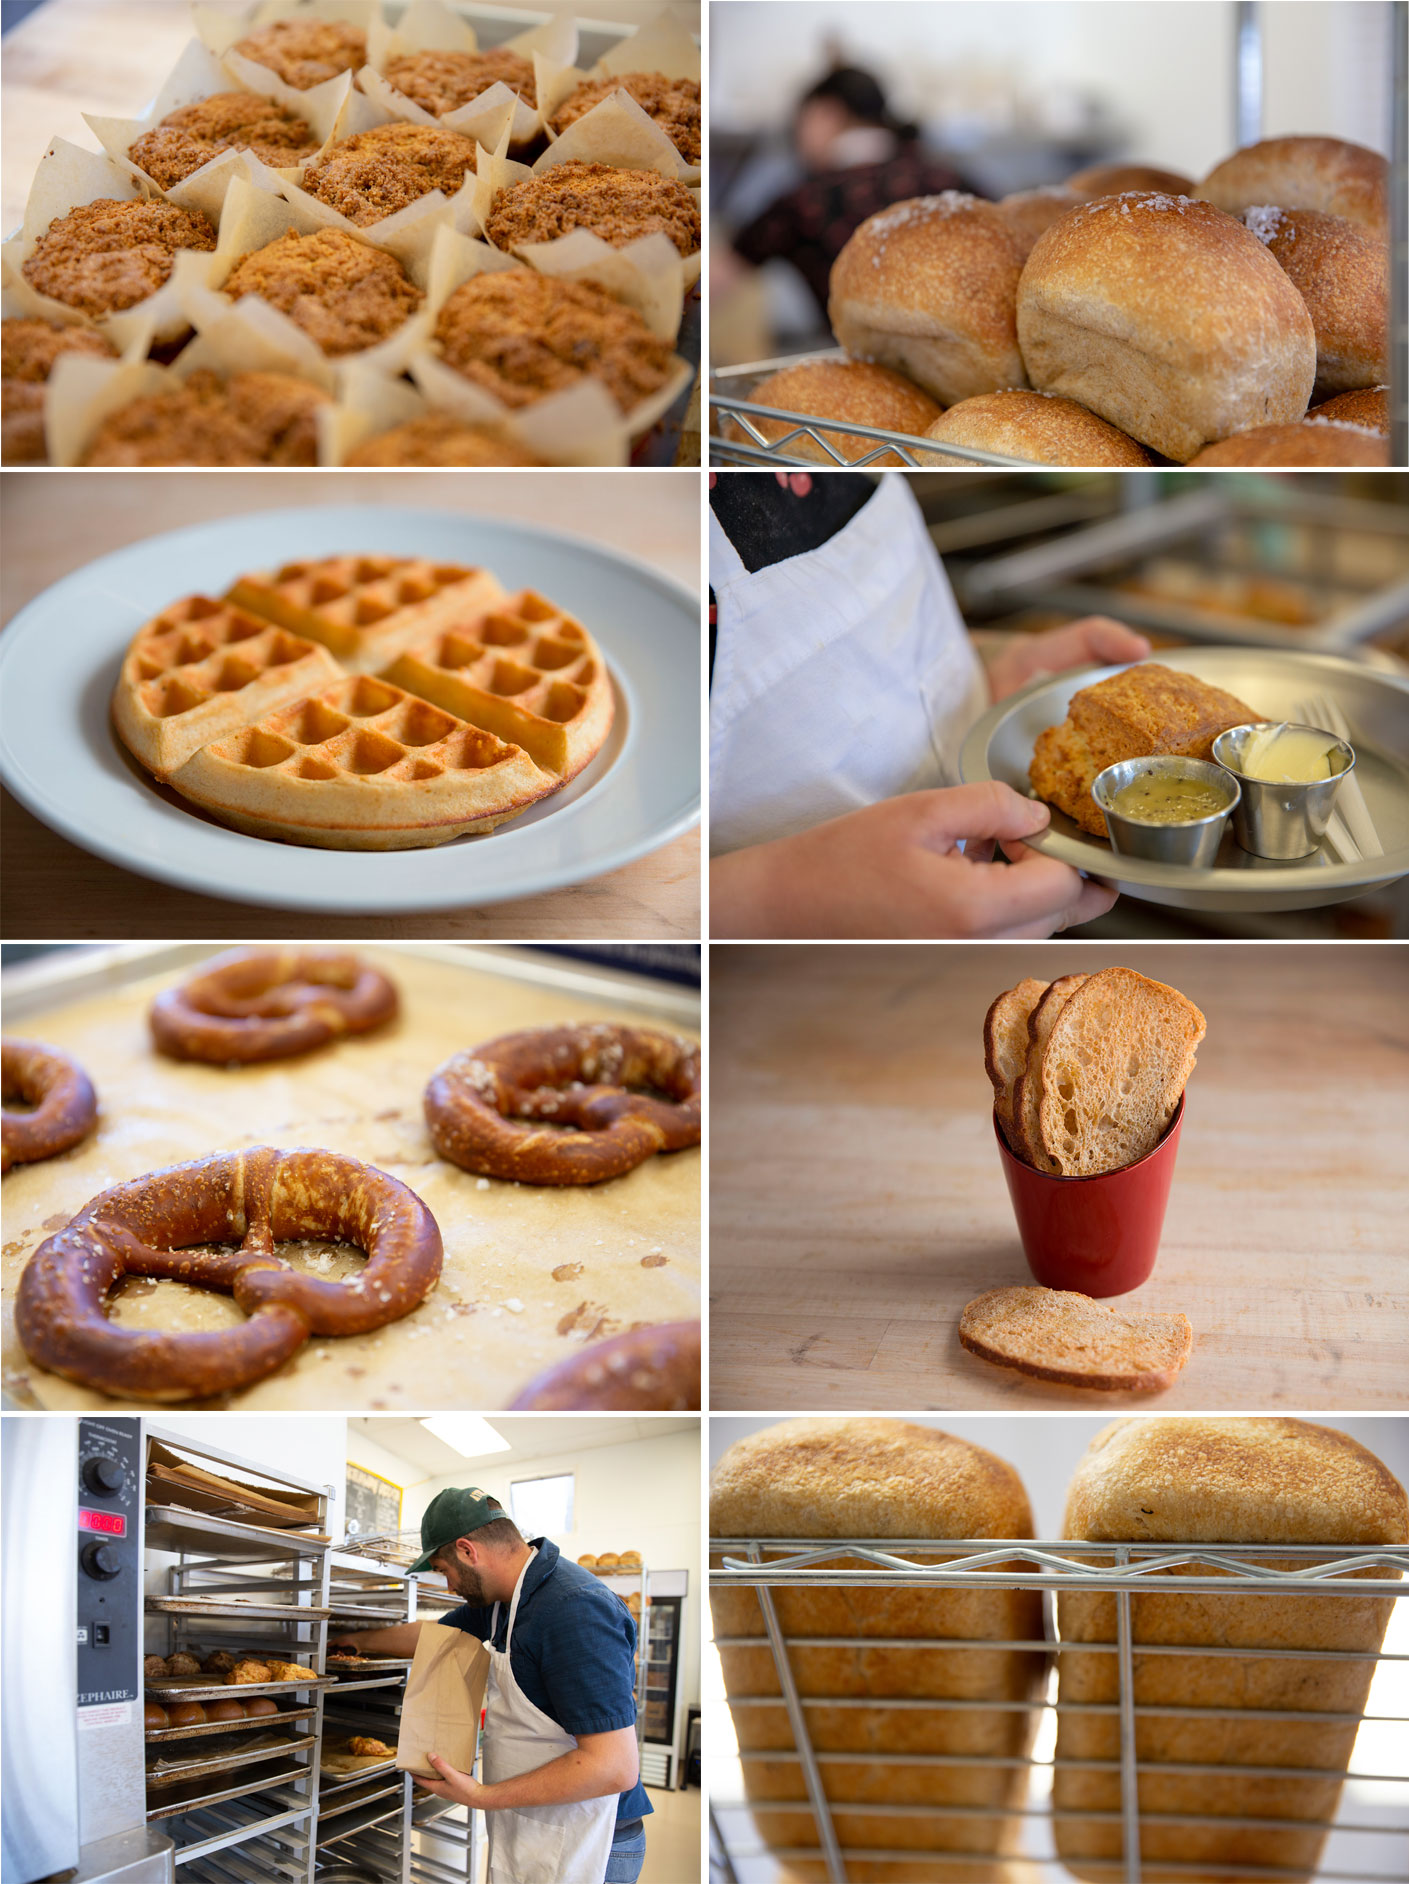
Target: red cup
1098, 1234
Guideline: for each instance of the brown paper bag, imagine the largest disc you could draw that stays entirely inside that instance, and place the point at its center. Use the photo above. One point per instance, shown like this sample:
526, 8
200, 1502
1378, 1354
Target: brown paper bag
444, 1696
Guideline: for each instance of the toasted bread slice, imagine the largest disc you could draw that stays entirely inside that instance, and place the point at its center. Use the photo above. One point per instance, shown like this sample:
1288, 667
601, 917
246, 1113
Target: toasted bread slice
1057, 1334
1113, 1067
1005, 1044
1027, 1094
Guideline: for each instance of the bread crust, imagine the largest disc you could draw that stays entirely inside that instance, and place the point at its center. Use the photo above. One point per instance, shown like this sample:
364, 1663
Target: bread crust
1005, 1045
1318, 441
1166, 317
1110, 179
1027, 1094
1038, 426
1341, 272
1063, 1336
1368, 408
1028, 212
1325, 173
842, 389
929, 287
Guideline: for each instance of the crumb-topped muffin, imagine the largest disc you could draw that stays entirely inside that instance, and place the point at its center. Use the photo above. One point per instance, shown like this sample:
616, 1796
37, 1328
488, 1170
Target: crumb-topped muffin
520, 335
306, 52
28, 350
673, 103
438, 439
343, 293
377, 172
189, 137
443, 81
107, 255
617, 205
252, 419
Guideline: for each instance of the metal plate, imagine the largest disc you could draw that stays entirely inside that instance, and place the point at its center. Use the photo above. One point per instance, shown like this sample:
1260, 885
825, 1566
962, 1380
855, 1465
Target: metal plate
177, 1808
191, 1689
254, 1610
170, 1772
366, 1664
1376, 707
270, 1722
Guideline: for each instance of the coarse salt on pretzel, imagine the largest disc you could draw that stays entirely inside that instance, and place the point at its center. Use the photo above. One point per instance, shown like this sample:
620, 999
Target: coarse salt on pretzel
566, 1105
154, 1225
265, 1004
65, 1107
646, 1370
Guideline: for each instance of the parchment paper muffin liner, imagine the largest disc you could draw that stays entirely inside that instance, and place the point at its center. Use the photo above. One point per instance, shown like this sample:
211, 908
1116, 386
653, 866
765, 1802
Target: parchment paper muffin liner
402, 230
251, 334
649, 274
134, 352
219, 30
67, 178
566, 429
427, 26
197, 75
663, 44
457, 259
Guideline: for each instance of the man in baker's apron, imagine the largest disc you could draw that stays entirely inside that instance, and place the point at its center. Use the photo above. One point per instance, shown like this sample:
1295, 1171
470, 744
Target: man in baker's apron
561, 1792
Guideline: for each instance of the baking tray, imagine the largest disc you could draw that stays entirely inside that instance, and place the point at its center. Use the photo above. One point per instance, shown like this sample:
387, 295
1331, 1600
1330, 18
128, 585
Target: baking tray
370, 1618
158, 1736
253, 1611
188, 1688
171, 1773
1274, 681
178, 1808
174, 1528
369, 1664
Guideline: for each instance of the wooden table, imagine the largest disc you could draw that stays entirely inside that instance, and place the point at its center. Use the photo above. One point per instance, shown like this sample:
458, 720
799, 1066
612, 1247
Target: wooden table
858, 1202
56, 522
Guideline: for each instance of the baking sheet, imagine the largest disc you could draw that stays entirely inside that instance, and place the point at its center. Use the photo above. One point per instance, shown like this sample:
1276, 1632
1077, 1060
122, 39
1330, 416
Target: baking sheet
232, 1606
193, 1688
530, 1275
367, 1665
169, 1770
195, 1796
207, 1729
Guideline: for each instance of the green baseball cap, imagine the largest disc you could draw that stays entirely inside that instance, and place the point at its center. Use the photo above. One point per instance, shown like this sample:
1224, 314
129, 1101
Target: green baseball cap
454, 1513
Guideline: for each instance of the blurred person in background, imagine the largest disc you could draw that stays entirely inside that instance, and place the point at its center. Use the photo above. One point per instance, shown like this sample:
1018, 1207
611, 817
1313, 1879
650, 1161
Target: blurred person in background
859, 159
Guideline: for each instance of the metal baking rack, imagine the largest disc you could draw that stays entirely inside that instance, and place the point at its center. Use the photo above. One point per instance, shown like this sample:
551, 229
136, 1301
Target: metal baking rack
1123, 1570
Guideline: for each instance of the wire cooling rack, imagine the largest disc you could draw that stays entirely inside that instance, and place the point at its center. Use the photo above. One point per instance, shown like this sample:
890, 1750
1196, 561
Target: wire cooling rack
1124, 1571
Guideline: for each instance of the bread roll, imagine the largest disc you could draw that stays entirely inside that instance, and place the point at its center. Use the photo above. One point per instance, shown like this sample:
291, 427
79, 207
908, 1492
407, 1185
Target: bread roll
1320, 441
1369, 408
629, 1560
155, 1718
1037, 426
1028, 212
589, 1563
1167, 317
1342, 274
928, 287
880, 1478
1110, 179
224, 1710
1322, 173
186, 1714
1235, 1481
260, 1706
840, 389
607, 1564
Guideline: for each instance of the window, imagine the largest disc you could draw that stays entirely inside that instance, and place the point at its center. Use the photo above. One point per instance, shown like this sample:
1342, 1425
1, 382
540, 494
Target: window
542, 1507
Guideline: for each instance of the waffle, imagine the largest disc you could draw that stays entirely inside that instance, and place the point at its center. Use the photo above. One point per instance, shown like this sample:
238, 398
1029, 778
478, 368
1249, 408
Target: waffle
365, 609
526, 671
499, 700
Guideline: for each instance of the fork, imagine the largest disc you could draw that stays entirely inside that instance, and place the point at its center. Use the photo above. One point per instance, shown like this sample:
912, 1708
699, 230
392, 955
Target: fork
1351, 829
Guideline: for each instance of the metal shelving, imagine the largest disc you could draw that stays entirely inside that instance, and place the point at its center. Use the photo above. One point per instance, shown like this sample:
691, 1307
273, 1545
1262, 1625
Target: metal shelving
1126, 1571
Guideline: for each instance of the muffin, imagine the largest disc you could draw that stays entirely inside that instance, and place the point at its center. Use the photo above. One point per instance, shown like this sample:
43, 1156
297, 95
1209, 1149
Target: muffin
306, 52
377, 172
521, 335
252, 419
443, 81
28, 350
105, 256
187, 138
673, 103
617, 205
344, 294
439, 439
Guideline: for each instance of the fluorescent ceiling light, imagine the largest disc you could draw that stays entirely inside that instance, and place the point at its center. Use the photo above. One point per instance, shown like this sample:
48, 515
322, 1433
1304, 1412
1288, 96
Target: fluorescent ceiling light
471, 1436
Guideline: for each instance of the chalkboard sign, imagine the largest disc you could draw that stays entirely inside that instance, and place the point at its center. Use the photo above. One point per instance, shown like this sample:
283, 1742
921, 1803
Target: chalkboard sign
373, 1507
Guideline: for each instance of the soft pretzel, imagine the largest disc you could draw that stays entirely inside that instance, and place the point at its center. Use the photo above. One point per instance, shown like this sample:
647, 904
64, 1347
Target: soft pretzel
646, 1370
264, 1004
61, 1093
566, 1105
153, 1226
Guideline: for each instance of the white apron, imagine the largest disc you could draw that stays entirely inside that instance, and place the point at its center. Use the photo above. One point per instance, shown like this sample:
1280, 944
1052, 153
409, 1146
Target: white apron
551, 1844
841, 676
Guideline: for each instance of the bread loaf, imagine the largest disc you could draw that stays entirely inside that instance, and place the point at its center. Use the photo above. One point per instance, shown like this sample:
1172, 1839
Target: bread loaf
840, 389
1342, 273
1111, 179
1305, 173
1318, 441
1028, 212
1166, 317
1369, 409
880, 1478
1037, 426
1235, 1481
928, 287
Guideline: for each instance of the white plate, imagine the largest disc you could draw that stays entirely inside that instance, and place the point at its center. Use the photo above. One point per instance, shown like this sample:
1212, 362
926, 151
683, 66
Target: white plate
59, 659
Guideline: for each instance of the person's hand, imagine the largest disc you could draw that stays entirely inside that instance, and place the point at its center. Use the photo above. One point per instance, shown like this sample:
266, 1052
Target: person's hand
1094, 638
463, 1788
799, 483
896, 869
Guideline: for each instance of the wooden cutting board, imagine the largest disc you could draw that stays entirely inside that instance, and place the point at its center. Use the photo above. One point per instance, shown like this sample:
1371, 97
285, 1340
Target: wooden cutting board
857, 1200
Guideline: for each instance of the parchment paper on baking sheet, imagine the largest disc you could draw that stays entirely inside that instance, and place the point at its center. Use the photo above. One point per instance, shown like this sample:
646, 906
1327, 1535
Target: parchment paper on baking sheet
530, 1274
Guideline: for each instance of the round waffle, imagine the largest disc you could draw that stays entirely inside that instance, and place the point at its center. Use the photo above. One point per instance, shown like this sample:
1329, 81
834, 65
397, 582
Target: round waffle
364, 703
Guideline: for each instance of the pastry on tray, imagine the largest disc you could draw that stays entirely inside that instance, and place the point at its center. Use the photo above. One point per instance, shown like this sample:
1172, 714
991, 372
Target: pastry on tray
674, 103
189, 137
250, 419
378, 172
441, 81
108, 255
343, 293
618, 205
305, 53
28, 350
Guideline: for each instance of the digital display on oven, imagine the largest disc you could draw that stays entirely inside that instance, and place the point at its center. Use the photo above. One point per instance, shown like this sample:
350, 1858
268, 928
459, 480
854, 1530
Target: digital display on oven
110, 1523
